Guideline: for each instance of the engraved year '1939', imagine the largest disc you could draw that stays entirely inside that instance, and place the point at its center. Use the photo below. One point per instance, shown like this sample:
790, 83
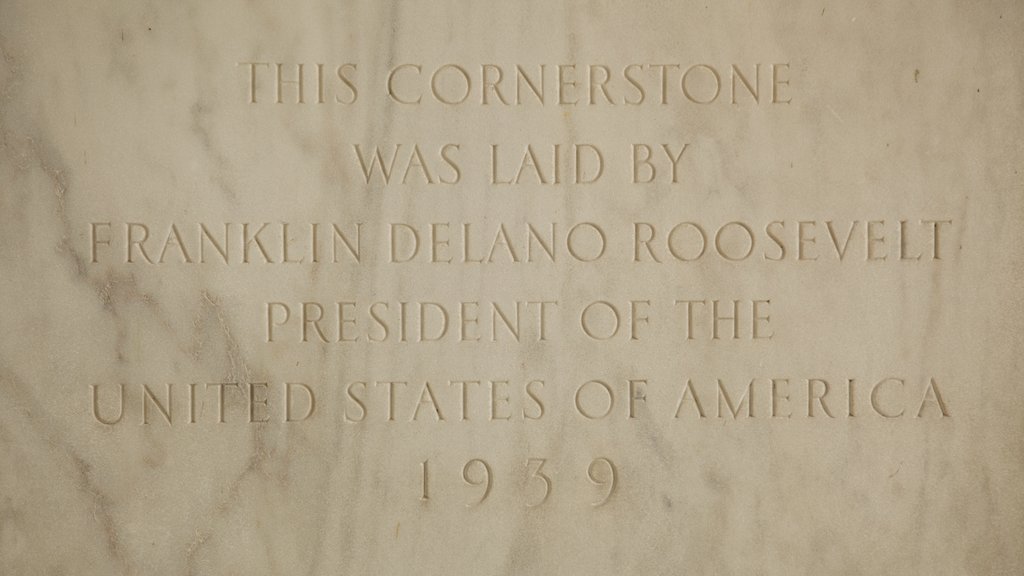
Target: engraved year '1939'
478, 475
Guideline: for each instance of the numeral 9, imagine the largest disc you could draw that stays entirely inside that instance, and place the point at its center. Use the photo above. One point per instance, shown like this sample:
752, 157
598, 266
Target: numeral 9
610, 478
485, 481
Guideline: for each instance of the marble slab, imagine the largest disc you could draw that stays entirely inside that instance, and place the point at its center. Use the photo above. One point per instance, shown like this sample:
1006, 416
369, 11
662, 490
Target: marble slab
511, 287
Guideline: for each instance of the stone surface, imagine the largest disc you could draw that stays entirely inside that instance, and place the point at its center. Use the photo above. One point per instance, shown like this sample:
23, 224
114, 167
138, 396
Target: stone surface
861, 220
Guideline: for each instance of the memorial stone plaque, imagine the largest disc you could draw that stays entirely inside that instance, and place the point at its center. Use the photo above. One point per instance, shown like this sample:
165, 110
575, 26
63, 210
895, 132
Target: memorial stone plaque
511, 287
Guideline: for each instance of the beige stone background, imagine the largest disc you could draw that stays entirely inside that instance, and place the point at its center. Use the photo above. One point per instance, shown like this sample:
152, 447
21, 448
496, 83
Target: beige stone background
125, 111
